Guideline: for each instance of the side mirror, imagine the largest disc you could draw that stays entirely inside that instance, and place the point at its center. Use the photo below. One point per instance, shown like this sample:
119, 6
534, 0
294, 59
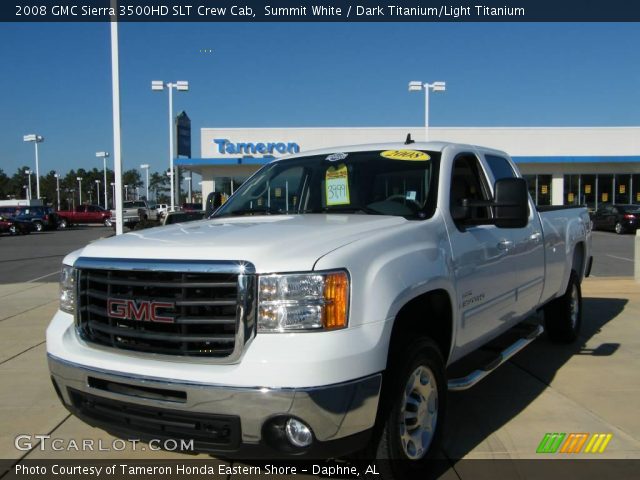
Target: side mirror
511, 205
214, 200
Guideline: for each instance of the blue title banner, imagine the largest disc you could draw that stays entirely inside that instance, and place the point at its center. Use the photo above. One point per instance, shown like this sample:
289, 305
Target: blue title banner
320, 11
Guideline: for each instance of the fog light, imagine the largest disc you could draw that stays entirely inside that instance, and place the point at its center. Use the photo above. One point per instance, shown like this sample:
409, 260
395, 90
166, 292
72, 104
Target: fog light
298, 433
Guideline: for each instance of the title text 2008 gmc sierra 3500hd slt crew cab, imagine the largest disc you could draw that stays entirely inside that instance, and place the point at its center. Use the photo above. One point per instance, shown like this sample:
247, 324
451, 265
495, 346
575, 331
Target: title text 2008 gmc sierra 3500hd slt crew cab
321, 310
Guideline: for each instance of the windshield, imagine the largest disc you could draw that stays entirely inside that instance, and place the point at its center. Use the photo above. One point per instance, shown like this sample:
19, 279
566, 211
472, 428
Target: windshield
631, 209
391, 182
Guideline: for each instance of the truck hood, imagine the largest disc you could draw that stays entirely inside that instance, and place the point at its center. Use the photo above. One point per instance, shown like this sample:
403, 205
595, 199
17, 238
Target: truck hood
271, 243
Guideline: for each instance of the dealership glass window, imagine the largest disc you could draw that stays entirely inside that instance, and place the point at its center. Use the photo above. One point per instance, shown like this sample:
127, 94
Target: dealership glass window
544, 189
539, 188
635, 189
623, 189
605, 189
572, 189
588, 191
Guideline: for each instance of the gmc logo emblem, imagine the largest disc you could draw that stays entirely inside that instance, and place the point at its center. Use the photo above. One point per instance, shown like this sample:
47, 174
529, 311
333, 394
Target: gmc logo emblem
142, 310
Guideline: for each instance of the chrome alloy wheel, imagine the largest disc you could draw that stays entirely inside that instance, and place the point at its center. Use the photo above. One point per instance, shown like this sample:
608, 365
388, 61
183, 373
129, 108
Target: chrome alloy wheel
419, 413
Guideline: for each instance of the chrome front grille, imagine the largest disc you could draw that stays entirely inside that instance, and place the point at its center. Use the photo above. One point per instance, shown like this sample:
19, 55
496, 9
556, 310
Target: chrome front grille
199, 311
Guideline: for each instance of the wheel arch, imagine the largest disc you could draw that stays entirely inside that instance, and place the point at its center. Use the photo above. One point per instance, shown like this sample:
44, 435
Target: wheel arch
429, 314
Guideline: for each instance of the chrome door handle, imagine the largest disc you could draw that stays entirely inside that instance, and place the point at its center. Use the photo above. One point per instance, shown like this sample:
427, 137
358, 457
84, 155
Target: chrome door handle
505, 244
535, 237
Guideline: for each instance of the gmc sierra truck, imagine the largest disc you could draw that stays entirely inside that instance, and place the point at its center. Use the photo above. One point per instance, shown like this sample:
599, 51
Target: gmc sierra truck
324, 310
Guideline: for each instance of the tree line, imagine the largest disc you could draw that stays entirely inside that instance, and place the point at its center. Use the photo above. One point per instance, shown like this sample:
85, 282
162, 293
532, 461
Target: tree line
17, 185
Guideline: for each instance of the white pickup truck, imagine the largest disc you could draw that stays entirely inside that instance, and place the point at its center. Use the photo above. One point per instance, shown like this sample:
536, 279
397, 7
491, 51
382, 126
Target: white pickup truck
323, 309
134, 211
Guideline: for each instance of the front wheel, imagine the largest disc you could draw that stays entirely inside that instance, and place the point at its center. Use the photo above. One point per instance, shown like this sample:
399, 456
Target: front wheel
63, 223
412, 411
563, 316
107, 222
39, 226
619, 228
13, 230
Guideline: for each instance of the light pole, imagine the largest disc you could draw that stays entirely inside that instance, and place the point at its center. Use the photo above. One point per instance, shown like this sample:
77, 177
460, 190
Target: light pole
79, 190
113, 193
181, 86
145, 166
98, 192
57, 175
188, 179
35, 139
416, 86
104, 156
28, 172
126, 192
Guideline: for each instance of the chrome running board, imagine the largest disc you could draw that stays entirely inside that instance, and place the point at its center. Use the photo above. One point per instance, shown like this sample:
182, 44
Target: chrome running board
463, 383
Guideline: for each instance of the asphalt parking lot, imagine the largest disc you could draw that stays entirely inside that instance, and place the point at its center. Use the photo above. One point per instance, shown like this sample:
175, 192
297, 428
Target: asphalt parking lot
591, 386
37, 256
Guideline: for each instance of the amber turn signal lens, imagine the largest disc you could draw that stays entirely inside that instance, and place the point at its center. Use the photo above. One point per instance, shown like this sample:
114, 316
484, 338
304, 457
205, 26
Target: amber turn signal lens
336, 296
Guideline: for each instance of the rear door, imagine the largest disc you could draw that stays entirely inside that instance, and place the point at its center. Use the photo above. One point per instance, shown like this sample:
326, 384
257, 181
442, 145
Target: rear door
527, 252
482, 266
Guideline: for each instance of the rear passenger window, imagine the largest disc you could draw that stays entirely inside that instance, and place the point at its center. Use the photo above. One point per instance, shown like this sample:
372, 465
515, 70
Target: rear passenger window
500, 167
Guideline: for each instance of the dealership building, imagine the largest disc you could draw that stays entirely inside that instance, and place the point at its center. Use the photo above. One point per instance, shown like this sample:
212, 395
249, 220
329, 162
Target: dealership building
562, 165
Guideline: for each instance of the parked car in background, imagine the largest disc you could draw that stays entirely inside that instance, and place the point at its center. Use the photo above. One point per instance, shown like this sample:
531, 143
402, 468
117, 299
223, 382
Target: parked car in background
15, 227
43, 218
84, 214
162, 209
191, 207
134, 211
618, 218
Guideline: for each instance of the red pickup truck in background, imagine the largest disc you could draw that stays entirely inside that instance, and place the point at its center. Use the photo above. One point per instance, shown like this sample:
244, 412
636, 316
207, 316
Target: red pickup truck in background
84, 214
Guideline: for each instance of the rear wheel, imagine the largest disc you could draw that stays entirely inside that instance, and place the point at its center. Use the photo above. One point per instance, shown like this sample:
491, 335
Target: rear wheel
63, 223
13, 230
563, 316
412, 411
107, 222
39, 226
619, 228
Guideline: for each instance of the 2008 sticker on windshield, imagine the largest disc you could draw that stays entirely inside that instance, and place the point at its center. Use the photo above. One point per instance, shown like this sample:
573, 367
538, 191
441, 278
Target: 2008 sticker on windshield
337, 185
411, 155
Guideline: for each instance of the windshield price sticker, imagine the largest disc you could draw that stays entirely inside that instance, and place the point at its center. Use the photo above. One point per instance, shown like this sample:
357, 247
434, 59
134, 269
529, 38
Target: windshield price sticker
337, 185
411, 155
335, 157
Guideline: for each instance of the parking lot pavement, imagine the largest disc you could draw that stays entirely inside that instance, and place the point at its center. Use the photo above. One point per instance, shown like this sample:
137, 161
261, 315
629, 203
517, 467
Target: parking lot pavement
612, 254
587, 387
37, 257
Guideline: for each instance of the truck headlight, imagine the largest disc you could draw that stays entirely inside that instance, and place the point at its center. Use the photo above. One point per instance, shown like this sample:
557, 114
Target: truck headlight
303, 301
68, 289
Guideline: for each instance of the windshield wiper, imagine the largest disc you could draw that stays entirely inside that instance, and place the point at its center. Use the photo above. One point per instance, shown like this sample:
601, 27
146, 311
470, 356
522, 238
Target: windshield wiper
254, 211
348, 209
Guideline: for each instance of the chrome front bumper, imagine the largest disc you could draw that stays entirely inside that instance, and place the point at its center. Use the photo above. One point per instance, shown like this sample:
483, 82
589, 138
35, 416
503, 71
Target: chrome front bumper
333, 412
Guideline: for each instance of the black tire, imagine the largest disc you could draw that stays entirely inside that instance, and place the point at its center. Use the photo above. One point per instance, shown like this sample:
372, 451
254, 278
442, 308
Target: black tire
39, 226
563, 316
63, 223
619, 228
398, 432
